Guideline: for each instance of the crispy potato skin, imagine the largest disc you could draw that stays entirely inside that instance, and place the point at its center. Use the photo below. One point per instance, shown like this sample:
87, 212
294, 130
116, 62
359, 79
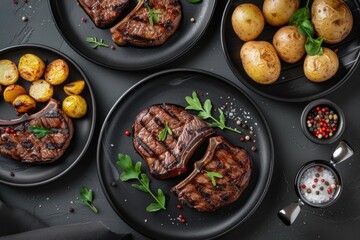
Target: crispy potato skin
74, 88
74, 106
289, 44
31, 67
41, 90
56, 72
24, 103
332, 20
320, 68
247, 21
260, 61
9, 73
278, 12
12, 91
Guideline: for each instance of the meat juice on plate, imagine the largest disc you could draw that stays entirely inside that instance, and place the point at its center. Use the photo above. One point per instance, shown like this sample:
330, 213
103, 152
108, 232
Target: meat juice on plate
318, 185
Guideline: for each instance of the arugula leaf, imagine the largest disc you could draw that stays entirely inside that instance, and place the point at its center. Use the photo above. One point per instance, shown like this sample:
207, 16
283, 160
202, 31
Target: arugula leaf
39, 132
205, 112
87, 198
212, 176
131, 171
163, 133
96, 42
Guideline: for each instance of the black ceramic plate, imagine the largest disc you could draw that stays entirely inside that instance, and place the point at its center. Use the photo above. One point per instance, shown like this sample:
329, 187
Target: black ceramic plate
171, 87
292, 85
68, 14
24, 174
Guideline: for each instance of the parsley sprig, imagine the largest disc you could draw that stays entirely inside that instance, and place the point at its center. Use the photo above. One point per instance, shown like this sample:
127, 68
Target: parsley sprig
153, 13
95, 43
131, 171
212, 176
39, 132
194, 1
163, 134
300, 19
205, 112
87, 198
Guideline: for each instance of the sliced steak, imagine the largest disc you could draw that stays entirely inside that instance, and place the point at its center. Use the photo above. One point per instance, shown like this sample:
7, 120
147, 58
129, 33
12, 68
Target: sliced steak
233, 163
20, 143
104, 13
168, 158
137, 30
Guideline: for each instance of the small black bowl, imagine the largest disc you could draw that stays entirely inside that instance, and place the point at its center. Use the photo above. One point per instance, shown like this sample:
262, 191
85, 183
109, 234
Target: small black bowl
330, 105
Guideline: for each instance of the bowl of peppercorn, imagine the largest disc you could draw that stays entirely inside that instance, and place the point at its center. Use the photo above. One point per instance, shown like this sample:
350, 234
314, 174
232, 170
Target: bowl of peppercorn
322, 121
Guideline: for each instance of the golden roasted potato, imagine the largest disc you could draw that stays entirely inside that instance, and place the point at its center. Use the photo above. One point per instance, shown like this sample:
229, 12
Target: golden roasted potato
278, 12
74, 88
247, 21
9, 73
56, 72
31, 67
319, 68
12, 91
260, 61
289, 44
332, 20
74, 106
24, 103
41, 90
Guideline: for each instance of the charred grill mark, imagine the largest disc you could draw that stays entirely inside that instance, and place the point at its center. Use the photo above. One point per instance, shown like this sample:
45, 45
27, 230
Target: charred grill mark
27, 144
50, 146
170, 113
144, 146
158, 122
53, 114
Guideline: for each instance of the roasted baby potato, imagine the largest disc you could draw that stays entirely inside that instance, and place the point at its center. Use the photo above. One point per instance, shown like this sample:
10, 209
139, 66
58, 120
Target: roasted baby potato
319, 68
260, 61
56, 72
41, 90
74, 88
9, 73
278, 12
332, 20
74, 106
247, 21
31, 67
12, 91
24, 103
289, 44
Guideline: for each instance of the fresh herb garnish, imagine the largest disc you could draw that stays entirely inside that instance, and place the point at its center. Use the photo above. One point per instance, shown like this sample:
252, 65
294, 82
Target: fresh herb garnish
153, 13
87, 198
300, 19
39, 131
131, 171
212, 176
163, 134
95, 42
205, 112
194, 1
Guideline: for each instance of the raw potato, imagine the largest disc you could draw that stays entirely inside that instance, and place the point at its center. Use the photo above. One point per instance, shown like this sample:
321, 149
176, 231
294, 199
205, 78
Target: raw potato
278, 12
332, 20
56, 72
12, 91
9, 73
247, 21
289, 44
74, 106
31, 67
320, 68
24, 103
260, 61
41, 90
74, 88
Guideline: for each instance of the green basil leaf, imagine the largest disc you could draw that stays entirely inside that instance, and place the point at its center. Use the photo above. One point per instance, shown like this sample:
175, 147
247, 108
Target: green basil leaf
313, 46
308, 27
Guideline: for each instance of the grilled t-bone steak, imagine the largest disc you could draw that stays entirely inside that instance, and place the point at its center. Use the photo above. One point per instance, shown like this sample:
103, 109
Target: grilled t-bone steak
137, 28
168, 158
104, 13
18, 138
234, 165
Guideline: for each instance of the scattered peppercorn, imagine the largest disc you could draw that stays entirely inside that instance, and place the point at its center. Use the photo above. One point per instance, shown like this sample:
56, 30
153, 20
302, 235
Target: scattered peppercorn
24, 18
183, 220
238, 122
247, 137
178, 206
127, 133
15, 2
308, 190
242, 139
112, 47
12, 174
253, 148
113, 183
192, 20
83, 19
71, 210
322, 122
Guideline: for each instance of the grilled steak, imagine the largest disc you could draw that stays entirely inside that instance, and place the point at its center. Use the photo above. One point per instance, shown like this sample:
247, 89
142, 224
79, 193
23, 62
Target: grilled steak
104, 13
137, 28
234, 165
168, 158
19, 141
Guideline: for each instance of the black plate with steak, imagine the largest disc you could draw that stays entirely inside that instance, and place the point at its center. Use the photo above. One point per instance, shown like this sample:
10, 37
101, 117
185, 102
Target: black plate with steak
104, 13
143, 29
21, 140
221, 157
168, 158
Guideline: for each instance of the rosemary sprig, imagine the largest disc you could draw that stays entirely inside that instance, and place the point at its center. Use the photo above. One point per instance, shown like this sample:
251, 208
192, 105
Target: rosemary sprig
153, 13
39, 132
95, 42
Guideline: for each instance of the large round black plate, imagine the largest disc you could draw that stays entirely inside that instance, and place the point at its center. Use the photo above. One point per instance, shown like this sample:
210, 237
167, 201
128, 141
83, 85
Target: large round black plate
171, 87
292, 85
24, 174
68, 14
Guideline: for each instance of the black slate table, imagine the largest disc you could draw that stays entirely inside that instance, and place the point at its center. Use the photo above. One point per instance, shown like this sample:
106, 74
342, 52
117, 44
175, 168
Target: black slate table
51, 202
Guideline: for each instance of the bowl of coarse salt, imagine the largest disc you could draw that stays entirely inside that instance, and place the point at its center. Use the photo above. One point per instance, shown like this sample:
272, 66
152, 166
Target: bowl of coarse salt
317, 183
